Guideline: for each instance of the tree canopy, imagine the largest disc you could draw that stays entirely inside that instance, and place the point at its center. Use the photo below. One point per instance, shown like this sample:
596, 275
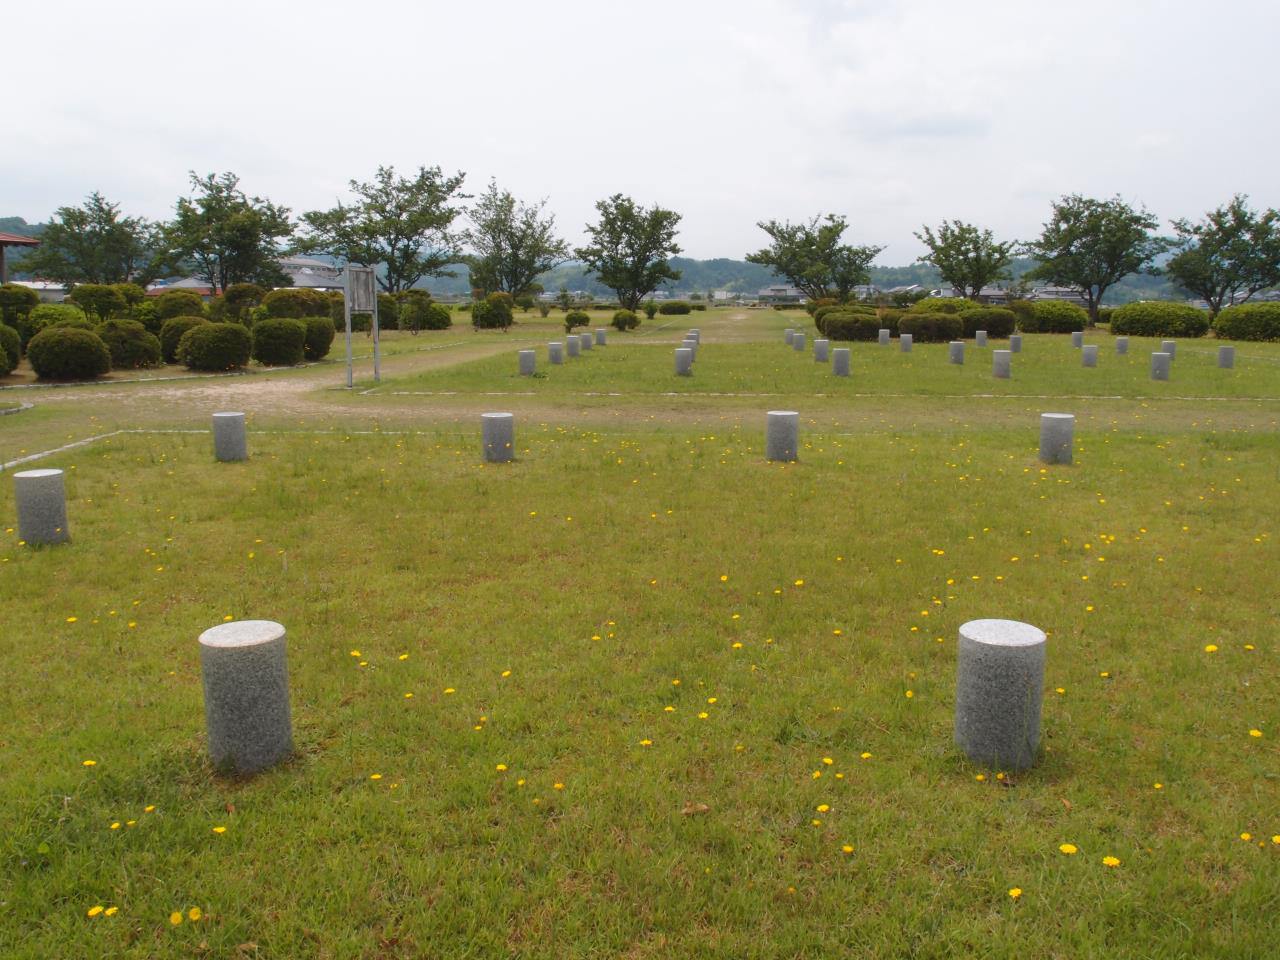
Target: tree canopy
812, 258
93, 244
514, 242
630, 248
967, 257
1091, 244
402, 225
1233, 251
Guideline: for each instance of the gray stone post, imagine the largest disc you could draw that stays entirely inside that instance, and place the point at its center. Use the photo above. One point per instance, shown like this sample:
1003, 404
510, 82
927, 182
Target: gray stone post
602, 337
782, 435
555, 352
585, 340
229, 443
498, 436
696, 334
1122, 345
790, 334
1057, 437
1160, 366
840, 361
1077, 338
692, 346
980, 338
955, 351
684, 362
246, 695
883, 337
999, 689
904, 342
528, 363
41, 497
820, 350
1226, 357
571, 344
1170, 347
797, 342
1089, 355
1001, 364
1015, 343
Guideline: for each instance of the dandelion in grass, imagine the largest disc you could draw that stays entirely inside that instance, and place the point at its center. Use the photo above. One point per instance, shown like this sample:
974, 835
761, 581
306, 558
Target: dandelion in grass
1246, 837
557, 786
219, 830
175, 918
646, 743
194, 914
94, 911
823, 807
864, 755
501, 768
1109, 861
1070, 849
1255, 733
1015, 893
88, 763
847, 848
110, 911
980, 777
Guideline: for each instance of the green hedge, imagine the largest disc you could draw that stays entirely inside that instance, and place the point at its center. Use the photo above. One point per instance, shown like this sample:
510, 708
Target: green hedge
130, 345
171, 333
1249, 321
1159, 318
179, 303
575, 318
319, 337
997, 321
932, 327
492, 313
68, 353
851, 326
674, 308
215, 346
941, 305
295, 303
10, 349
279, 341
625, 320
1054, 316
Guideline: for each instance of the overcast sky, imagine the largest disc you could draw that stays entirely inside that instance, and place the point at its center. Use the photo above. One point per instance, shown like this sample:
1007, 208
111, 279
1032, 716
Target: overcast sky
728, 111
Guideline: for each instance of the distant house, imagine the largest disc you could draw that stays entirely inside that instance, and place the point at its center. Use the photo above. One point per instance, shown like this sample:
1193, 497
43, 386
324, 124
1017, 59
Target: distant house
192, 284
990, 296
49, 291
781, 294
303, 271
1069, 294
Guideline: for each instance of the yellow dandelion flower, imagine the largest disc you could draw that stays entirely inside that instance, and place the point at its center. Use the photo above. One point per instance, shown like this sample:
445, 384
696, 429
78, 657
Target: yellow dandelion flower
817, 774
724, 577
149, 808
799, 583
111, 911
865, 756
980, 777
501, 768
1246, 836
1255, 733
375, 776
1015, 893
94, 911
1210, 648
88, 763
823, 808
194, 914
847, 848
219, 830
828, 761
646, 743
557, 786
449, 690
72, 619
909, 694
703, 715
1070, 849
1157, 786
116, 825
816, 823
737, 645
1110, 861
404, 656
175, 918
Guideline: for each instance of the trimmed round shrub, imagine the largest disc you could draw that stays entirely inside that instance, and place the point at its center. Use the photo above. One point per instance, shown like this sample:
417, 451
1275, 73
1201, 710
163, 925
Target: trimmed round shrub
820, 315
941, 305
16, 301
319, 337
239, 298
97, 300
215, 346
931, 327
10, 350
130, 345
51, 314
575, 318
650, 308
544, 310
421, 314
1249, 321
851, 326
813, 306
68, 353
298, 302
625, 320
1160, 318
1054, 316
178, 303
279, 341
171, 333
997, 321
674, 308
145, 314
492, 313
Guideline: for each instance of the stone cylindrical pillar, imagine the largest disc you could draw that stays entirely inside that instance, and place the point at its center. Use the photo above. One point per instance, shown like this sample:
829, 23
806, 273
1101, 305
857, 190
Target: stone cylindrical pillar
1122, 345
1160, 366
883, 337
572, 346
999, 689
820, 348
585, 340
1226, 357
696, 334
797, 342
691, 345
790, 334
528, 363
41, 497
684, 362
955, 351
1001, 364
1015, 343
1057, 437
840, 361
904, 342
602, 337
1089, 354
498, 436
555, 352
1077, 339
246, 695
1170, 347
229, 442
980, 338
782, 435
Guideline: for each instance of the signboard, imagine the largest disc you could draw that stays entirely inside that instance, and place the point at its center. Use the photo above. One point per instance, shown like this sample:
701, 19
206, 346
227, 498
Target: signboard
362, 297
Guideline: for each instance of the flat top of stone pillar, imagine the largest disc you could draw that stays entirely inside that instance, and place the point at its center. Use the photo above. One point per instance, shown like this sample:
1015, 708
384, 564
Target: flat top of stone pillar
526, 351
1159, 353
555, 343
784, 413
37, 474
496, 416
1057, 416
228, 413
957, 343
998, 352
1002, 633
242, 633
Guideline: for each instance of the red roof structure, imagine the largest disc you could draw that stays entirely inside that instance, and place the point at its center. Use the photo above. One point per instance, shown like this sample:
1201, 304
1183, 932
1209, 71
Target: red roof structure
12, 240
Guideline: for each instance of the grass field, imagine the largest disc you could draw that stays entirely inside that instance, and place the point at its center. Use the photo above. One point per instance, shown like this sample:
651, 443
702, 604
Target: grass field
640, 693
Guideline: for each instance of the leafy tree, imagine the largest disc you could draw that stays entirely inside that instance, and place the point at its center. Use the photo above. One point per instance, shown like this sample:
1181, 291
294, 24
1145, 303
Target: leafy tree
403, 225
514, 242
227, 236
564, 299
1091, 244
99, 301
1233, 251
630, 248
967, 258
811, 257
240, 298
93, 244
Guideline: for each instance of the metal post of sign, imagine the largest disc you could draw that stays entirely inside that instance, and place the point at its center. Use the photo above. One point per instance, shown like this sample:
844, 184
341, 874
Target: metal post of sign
377, 336
346, 313
360, 297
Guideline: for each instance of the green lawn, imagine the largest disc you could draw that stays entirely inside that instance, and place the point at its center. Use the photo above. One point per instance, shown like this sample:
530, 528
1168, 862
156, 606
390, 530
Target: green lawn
536, 797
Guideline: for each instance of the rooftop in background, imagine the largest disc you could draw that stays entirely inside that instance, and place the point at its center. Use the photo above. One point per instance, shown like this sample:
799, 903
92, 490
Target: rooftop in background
17, 240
